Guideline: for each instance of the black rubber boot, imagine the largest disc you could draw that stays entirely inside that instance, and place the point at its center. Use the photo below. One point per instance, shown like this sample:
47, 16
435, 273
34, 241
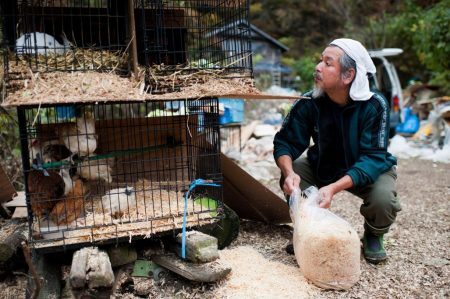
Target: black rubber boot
373, 248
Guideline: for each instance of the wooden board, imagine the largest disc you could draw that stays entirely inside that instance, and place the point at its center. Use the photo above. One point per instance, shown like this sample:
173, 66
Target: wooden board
249, 198
18, 201
262, 96
205, 272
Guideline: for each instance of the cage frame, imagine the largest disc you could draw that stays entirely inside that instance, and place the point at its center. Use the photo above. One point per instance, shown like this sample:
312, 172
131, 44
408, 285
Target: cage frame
238, 64
61, 244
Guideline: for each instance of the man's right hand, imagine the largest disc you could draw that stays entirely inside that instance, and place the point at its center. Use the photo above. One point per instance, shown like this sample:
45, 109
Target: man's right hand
291, 182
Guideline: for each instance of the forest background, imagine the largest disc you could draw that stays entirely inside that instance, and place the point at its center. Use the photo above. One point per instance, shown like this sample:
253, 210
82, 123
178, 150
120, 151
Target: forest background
419, 27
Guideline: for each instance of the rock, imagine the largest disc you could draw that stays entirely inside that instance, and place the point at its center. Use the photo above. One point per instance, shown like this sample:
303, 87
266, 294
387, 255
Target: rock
121, 255
77, 276
91, 266
100, 273
200, 247
264, 130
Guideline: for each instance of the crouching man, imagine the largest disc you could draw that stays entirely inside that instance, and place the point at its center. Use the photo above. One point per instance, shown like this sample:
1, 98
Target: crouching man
349, 125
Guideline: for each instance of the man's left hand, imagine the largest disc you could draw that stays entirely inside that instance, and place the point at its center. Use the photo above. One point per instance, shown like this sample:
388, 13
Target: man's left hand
326, 196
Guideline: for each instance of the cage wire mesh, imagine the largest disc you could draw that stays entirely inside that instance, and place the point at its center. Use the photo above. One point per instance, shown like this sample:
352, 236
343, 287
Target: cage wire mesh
191, 38
107, 171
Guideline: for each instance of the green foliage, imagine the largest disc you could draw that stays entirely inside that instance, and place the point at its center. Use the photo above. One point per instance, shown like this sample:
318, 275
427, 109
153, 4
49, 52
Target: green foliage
423, 35
419, 27
288, 41
256, 8
263, 81
303, 69
10, 154
431, 39
257, 58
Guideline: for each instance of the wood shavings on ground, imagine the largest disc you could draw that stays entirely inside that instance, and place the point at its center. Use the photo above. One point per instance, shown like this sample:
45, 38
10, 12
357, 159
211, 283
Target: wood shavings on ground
254, 276
91, 87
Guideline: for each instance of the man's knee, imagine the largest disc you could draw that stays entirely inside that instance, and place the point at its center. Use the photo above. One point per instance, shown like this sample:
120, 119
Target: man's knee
387, 203
381, 207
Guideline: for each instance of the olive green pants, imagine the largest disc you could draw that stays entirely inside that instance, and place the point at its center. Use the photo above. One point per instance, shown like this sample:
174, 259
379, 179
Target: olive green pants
380, 203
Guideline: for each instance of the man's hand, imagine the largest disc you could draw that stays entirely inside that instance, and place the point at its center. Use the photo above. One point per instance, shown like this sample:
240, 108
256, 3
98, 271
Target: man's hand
326, 193
291, 182
326, 196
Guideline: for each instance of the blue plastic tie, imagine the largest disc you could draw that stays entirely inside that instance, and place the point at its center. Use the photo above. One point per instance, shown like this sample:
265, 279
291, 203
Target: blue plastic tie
195, 183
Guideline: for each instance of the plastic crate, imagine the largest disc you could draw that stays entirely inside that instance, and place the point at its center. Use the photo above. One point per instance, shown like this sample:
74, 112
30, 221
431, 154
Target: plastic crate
233, 111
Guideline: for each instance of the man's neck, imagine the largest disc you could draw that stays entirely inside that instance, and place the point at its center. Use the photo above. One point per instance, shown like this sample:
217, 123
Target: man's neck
340, 97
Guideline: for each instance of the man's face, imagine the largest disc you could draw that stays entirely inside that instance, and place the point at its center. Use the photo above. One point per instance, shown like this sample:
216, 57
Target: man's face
327, 76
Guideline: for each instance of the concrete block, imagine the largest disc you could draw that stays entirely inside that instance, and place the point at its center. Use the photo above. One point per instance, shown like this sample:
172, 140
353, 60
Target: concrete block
92, 267
100, 273
77, 276
200, 247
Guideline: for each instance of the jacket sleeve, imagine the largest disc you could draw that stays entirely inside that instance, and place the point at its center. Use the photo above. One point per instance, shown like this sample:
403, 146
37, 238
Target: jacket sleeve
294, 135
374, 158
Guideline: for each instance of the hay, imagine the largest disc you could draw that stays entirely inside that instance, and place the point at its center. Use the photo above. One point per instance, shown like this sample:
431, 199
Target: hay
155, 211
71, 60
91, 87
83, 75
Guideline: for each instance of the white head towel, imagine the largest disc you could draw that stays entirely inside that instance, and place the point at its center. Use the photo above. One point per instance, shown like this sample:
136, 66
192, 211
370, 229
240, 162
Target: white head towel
359, 91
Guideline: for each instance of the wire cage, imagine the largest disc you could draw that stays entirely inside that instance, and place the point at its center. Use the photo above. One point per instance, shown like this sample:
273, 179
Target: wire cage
206, 38
97, 173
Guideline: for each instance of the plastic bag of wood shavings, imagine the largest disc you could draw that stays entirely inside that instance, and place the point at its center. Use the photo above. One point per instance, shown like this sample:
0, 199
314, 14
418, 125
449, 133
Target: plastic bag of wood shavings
326, 247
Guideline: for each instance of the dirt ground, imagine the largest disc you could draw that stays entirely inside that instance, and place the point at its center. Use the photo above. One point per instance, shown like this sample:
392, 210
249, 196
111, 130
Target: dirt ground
418, 247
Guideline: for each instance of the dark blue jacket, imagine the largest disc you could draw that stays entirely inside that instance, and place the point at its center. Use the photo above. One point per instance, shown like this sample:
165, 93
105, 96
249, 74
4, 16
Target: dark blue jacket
347, 140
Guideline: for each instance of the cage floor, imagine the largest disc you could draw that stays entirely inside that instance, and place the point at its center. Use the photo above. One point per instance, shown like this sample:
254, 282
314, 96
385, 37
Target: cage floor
145, 229
154, 211
91, 87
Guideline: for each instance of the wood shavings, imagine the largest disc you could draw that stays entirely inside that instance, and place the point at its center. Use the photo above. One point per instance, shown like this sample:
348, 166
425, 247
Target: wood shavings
254, 276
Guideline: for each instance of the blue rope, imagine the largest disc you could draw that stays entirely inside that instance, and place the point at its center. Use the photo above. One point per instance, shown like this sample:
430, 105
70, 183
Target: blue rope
195, 183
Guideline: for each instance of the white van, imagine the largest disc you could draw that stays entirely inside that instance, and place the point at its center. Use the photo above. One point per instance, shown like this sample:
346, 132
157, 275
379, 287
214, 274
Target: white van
386, 81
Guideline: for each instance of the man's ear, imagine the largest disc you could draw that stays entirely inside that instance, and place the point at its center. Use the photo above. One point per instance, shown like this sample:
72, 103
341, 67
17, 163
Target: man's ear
349, 76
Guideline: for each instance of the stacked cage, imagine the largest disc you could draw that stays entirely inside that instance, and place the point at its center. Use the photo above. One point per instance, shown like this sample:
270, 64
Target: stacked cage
101, 166
190, 39
110, 171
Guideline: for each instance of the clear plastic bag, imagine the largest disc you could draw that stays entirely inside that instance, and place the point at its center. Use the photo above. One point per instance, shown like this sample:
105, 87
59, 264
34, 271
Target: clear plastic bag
326, 247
